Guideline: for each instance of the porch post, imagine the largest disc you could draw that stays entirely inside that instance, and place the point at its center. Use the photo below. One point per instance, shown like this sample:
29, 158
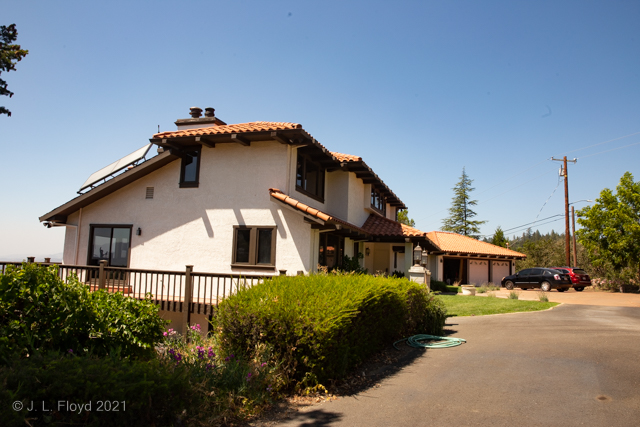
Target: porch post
101, 274
186, 305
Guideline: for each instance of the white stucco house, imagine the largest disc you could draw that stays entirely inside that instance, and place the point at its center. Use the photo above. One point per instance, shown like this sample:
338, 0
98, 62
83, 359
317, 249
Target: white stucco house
258, 197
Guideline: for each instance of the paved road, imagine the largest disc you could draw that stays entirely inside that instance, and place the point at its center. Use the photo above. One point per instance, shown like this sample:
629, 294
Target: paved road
575, 365
586, 297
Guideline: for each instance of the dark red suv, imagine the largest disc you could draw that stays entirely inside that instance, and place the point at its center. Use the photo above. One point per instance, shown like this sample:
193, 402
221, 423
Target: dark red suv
579, 278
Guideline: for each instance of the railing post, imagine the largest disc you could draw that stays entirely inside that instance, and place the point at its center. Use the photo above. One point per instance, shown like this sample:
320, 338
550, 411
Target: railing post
47, 260
186, 305
31, 259
101, 274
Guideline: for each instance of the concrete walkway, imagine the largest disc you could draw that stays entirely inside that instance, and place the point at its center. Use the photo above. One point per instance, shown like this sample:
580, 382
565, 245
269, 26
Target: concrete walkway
574, 365
586, 297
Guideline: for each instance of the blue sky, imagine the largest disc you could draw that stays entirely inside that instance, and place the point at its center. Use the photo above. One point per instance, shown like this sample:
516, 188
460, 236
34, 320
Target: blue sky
418, 89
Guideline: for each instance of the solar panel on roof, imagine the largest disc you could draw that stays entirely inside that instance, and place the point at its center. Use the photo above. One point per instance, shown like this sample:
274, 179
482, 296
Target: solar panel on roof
116, 167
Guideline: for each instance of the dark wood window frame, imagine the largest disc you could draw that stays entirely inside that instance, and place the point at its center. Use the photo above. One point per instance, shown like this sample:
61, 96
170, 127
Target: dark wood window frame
303, 161
112, 226
378, 201
253, 246
196, 182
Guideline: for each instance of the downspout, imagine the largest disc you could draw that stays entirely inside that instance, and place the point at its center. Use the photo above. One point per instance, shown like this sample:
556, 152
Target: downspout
75, 262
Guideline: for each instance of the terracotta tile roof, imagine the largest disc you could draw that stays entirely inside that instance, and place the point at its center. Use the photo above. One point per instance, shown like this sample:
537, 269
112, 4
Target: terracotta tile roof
346, 157
452, 242
279, 195
228, 129
381, 226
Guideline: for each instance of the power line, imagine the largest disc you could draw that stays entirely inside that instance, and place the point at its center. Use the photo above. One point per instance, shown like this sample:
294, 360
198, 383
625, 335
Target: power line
601, 143
613, 149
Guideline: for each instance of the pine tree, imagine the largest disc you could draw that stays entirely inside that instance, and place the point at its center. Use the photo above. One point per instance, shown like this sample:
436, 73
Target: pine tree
10, 54
403, 217
460, 213
498, 238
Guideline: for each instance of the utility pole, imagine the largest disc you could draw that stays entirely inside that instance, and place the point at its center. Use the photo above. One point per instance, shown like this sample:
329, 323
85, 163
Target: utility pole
567, 232
573, 226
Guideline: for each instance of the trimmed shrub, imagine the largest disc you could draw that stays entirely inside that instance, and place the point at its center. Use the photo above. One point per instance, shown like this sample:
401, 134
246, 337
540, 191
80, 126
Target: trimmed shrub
438, 286
120, 393
39, 311
320, 326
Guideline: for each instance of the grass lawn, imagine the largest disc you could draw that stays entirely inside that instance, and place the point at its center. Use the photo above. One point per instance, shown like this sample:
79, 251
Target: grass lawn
458, 305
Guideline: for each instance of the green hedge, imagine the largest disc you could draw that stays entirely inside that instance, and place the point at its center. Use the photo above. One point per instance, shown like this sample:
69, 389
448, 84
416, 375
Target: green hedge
144, 393
438, 286
320, 326
39, 311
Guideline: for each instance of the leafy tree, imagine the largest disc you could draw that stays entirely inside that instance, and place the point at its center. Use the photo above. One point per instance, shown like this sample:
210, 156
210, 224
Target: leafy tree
460, 212
611, 229
403, 218
498, 238
10, 55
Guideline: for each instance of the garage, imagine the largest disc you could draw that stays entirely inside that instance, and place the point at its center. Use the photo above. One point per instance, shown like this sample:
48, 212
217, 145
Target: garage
478, 272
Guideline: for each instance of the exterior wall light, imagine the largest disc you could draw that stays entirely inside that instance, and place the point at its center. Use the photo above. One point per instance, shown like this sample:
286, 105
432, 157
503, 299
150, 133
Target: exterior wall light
139, 232
425, 257
367, 251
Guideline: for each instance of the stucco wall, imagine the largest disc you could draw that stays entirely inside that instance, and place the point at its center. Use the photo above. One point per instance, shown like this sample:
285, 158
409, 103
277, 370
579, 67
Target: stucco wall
194, 226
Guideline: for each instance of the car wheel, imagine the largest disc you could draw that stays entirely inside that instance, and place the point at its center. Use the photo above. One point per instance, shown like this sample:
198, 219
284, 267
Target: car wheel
545, 286
508, 284
524, 289
561, 289
579, 289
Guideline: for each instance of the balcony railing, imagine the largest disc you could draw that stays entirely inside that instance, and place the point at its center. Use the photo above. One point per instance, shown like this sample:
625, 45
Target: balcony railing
185, 291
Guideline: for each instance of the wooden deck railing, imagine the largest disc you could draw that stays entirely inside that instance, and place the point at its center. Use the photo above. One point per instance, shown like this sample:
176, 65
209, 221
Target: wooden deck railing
168, 289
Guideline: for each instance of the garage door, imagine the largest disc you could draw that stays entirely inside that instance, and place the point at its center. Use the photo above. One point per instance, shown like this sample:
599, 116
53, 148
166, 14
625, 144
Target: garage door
500, 270
478, 272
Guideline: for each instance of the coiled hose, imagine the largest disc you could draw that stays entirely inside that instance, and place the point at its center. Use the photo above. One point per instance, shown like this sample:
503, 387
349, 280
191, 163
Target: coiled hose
445, 342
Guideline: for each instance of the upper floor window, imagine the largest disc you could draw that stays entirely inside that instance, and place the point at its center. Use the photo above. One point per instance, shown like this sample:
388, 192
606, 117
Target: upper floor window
309, 177
190, 168
378, 201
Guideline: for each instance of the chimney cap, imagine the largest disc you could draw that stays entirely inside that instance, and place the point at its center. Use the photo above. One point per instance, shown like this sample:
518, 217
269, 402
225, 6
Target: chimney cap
209, 112
195, 112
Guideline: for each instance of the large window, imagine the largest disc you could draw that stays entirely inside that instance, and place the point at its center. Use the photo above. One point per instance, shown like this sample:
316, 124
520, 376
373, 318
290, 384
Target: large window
110, 243
378, 201
309, 177
190, 168
254, 246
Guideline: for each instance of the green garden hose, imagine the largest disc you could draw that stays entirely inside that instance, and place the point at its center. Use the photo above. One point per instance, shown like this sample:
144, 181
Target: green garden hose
414, 341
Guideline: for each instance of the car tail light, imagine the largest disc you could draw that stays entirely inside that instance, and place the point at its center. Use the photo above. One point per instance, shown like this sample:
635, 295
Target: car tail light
556, 276
574, 279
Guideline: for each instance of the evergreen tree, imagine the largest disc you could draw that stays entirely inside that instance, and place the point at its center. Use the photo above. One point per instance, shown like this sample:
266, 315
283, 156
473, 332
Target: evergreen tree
403, 218
10, 54
460, 213
498, 238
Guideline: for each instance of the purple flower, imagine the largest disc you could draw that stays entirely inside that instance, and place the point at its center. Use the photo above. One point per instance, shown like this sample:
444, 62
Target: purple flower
248, 376
178, 357
269, 388
263, 364
211, 354
200, 352
70, 351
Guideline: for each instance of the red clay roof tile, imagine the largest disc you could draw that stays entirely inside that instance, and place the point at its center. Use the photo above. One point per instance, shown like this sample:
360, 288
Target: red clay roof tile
346, 157
228, 129
452, 242
381, 226
279, 195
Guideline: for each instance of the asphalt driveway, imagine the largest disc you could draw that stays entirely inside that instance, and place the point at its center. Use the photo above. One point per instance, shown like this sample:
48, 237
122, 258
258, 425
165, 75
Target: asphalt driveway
574, 365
